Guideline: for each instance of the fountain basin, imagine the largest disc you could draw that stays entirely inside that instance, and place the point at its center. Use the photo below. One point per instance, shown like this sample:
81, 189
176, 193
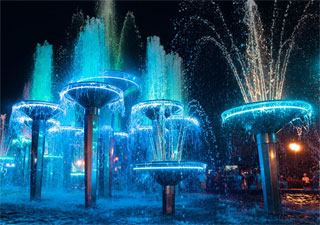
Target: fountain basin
92, 94
170, 172
38, 110
124, 81
154, 108
266, 117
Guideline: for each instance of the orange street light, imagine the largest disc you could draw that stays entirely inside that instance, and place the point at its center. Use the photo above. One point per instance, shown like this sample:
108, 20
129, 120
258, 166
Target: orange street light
294, 147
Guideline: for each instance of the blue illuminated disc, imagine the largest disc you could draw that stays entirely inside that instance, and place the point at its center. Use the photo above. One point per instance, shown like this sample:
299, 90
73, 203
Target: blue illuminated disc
38, 109
269, 116
170, 165
170, 172
92, 94
122, 80
153, 108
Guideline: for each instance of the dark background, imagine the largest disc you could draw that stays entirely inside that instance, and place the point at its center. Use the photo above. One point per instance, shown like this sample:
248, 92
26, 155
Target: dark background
26, 23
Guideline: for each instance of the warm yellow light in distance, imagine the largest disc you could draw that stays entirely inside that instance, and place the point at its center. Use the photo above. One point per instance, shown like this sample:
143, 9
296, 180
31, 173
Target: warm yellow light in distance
294, 147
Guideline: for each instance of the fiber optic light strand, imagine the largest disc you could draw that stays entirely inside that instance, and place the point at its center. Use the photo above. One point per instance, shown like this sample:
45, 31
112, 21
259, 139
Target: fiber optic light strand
91, 85
122, 134
169, 167
35, 104
113, 77
184, 118
229, 113
155, 103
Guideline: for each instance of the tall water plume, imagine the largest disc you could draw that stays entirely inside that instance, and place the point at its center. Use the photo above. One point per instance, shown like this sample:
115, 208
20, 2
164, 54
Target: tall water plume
41, 83
91, 55
107, 13
129, 58
164, 76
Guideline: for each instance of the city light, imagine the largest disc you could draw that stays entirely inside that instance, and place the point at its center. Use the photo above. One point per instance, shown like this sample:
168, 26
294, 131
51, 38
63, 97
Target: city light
80, 163
294, 147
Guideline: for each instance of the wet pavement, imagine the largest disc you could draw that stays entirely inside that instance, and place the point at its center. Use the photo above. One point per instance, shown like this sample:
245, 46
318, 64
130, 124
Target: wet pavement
146, 208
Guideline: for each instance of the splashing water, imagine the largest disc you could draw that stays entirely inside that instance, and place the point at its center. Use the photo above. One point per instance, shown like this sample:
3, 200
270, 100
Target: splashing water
259, 63
164, 76
90, 54
41, 78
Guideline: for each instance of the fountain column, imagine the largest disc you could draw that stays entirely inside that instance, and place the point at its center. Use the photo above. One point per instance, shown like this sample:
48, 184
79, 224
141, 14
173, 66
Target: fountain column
90, 154
269, 172
168, 199
264, 119
37, 151
39, 112
92, 96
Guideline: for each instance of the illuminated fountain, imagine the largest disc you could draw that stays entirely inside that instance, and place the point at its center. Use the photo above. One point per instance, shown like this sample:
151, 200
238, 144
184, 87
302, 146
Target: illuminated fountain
166, 166
129, 84
258, 57
39, 112
264, 119
92, 96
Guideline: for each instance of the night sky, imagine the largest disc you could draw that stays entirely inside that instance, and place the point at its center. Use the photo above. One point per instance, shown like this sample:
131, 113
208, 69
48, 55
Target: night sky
24, 24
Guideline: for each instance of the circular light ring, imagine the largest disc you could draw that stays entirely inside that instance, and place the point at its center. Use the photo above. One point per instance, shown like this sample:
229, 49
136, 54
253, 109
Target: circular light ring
267, 107
146, 105
77, 174
141, 129
89, 86
117, 76
37, 109
170, 166
121, 134
65, 128
182, 120
7, 158
39, 104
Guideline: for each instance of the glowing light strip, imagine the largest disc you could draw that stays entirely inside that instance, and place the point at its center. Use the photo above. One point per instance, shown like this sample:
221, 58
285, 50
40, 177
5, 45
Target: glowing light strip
35, 104
6, 158
156, 103
186, 118
111, 77
64, 128
122, 134
225, 116
169, 167
91, 85
142, 128
76, 174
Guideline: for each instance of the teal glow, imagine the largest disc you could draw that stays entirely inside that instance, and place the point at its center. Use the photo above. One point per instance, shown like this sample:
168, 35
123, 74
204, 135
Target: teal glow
91, 55
164, 76
42, 74
267, 107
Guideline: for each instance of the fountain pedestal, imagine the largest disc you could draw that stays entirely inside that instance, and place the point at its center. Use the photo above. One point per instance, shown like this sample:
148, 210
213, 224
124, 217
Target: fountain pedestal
268, 158
168, 174
128, 83
91, 96
168, 199
39, 112
37, 151
264, 119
